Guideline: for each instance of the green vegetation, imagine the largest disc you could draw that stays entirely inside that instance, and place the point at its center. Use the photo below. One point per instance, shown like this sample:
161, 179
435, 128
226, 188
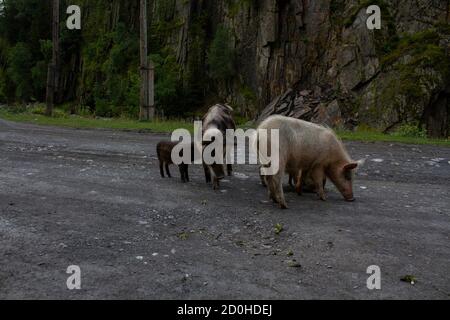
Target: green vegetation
234, 6
221, 56
183, 236
424, 49
409, 279
168, 84
278, 228
415, 68
100, 69
74, 121
397, 137
386, 38
410, 131
24, 52
20, 62
405, 134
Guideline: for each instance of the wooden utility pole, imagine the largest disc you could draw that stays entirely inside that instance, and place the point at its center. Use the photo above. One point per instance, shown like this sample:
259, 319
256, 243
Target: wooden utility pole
147, 110
147, 107
53, 67
144, 108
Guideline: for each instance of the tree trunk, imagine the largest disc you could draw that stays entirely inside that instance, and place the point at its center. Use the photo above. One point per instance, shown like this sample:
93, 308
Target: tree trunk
448, 11
147, 110
53, 68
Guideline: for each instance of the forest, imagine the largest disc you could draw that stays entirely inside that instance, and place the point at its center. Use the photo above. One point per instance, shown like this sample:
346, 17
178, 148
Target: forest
100, 68
242, 52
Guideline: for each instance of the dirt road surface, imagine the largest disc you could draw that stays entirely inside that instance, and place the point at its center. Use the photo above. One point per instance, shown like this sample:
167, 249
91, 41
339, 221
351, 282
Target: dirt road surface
94, 198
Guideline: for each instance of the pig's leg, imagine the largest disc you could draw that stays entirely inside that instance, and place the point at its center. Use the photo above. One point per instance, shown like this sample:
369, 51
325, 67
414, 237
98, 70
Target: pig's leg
186, 172
276, 190
161, 168
298, 185
215, 183
182, 170
318, 175
263, 178
226, 155
215, 179
207, 173
291, 180
167, 170
270, 188
278, 186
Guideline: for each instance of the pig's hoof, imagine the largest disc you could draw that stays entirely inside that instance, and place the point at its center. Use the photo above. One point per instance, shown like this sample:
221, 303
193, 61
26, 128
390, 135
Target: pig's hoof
284, 206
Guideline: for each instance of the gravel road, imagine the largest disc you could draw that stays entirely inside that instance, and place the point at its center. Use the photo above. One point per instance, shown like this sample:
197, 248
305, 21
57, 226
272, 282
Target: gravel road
94, 198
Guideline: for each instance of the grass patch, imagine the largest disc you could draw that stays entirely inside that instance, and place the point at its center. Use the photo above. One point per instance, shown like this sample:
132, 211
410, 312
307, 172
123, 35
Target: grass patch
368, 136
74, 121
406, 135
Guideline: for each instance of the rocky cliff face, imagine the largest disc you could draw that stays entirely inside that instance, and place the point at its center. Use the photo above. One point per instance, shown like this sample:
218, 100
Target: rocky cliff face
381, 78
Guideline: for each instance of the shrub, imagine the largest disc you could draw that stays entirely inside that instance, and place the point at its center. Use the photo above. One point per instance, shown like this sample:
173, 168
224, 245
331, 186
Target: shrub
39, 77
168, 86
3, 87
221, 56
410, 131
20, 62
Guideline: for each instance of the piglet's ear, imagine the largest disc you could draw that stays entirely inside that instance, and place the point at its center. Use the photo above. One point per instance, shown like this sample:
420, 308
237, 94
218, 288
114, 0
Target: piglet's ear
351, 166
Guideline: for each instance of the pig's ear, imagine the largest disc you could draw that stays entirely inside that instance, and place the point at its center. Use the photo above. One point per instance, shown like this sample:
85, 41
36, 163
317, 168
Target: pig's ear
351, 166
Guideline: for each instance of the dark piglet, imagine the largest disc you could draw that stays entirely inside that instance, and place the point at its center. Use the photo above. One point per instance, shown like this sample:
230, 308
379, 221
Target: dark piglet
164, 152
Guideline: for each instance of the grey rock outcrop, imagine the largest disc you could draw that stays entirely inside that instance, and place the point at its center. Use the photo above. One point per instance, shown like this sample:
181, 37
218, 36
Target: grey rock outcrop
326, 43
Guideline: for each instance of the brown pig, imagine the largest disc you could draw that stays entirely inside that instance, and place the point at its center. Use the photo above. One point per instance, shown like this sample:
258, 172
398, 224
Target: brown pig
164, 152
302, 182
308, 147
